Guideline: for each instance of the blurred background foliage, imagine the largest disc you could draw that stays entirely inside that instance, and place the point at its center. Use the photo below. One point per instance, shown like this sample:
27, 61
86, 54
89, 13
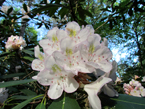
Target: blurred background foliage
122, 22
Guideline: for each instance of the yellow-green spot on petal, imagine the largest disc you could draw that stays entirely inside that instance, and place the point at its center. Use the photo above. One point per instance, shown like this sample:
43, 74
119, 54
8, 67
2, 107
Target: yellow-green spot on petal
40, 56
68, 51
54, 38
55, 68
91, 48
72, 32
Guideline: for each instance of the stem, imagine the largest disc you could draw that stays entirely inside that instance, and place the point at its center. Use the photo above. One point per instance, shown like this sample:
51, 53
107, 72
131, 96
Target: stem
63, 101
102, 24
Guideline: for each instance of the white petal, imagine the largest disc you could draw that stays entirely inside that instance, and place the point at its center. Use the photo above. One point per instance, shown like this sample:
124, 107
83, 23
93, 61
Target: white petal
105, 42
45, 78
72, 85
34, 77
45, 43
60, 58
112, 74
98, 84
37, 51
52, 33
82, 35
72, 26
91, 29
93, 99
37, 65
61, 34
94, 39
67, 44
104, 66
109, 91
55, 91
49, 62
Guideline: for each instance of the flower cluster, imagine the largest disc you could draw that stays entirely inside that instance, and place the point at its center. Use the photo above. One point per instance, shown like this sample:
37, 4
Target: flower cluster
3, 94
69, 52
15, 42
134, 88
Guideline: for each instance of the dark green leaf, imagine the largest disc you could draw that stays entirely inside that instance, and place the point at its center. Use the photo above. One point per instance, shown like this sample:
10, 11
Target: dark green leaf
14, 83
28, 92
28, 58
11, 75
25, 7
10, 10
129, 102
24, 103
63, 11
28, 52
66, 102
40, 106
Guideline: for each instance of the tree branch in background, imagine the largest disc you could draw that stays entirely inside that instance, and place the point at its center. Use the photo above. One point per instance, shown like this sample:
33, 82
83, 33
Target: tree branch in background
72, 12
139, 50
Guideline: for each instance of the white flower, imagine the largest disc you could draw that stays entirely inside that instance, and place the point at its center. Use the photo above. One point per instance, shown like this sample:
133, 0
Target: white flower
72, 62
142, 91
53, 42
38, 64
57, 78
3, 94
134, 83
135, 92
15, 42
78, 36
95, 54
93, 89
108, 88
143, 79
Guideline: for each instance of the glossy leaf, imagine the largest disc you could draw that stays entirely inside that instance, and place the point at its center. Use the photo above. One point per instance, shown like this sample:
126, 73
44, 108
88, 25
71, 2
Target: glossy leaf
24, 103
64, 103
28, 58
25, 7
11, 75
40, 106
28, 52
28, 92
14, 83
129, 102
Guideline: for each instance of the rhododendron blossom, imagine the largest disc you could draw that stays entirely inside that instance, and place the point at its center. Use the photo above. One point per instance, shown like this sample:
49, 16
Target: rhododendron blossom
134, 88
15, 42
69, 54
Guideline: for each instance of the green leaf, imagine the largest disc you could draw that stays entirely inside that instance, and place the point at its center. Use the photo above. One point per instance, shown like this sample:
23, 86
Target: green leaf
28, 58
65, 103
21, 97
25, 7
28, 92
12, 75
10, 10
63, 11
28, 52
129, 102
40, 106
14, 83
24, 103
